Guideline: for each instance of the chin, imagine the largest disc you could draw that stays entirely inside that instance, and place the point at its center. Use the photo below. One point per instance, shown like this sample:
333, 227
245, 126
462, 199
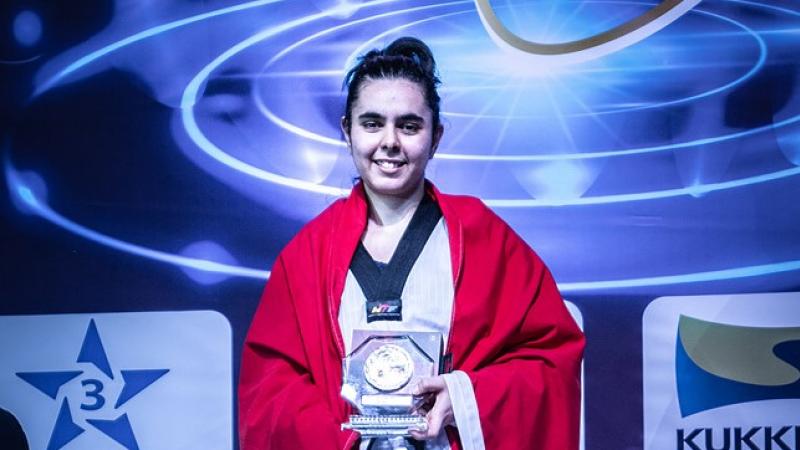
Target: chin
393, 189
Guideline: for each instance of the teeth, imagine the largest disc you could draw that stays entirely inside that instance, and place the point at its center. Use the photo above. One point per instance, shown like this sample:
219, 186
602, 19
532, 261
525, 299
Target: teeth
388, 164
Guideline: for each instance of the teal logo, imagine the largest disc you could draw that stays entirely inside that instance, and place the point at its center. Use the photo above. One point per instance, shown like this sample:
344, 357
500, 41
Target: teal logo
719, 364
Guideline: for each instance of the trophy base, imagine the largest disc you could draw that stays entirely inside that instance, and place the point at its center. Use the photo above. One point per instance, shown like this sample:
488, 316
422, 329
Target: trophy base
393, 443
371, 426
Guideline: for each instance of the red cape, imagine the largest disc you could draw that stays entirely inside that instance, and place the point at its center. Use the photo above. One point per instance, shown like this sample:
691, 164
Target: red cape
510, 333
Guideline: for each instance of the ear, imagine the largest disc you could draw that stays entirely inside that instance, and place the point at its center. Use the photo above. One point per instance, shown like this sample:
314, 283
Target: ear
437, 137
345, 133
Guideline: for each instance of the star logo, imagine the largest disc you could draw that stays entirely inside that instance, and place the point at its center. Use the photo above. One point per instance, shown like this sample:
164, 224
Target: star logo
94, 397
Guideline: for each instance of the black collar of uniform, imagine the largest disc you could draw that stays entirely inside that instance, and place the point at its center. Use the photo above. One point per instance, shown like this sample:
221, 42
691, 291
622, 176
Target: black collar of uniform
385, 286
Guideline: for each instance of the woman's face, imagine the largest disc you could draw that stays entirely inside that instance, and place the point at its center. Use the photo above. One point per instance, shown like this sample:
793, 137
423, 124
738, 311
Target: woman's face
391, 136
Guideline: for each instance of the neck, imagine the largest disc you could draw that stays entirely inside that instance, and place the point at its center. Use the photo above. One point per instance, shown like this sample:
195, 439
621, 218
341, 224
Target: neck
387, 210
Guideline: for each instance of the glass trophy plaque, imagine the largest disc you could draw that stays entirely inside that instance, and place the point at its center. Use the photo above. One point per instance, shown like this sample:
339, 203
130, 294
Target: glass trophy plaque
379, 374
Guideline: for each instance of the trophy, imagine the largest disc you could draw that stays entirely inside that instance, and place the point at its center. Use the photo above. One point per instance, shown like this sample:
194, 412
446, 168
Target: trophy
379, 374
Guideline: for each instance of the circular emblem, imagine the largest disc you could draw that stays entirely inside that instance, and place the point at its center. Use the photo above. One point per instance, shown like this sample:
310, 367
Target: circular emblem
388, 368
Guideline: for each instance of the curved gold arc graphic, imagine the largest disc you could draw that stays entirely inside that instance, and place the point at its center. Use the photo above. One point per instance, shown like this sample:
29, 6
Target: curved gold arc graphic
591, 47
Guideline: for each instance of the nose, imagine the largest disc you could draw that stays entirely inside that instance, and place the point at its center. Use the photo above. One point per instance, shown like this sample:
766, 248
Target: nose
389, 140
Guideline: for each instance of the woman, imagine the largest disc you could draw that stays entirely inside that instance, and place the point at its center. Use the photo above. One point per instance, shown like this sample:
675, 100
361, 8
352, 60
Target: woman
515, 349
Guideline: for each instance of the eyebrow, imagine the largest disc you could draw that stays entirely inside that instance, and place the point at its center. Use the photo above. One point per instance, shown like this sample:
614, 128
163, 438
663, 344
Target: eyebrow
410, 117
370, 115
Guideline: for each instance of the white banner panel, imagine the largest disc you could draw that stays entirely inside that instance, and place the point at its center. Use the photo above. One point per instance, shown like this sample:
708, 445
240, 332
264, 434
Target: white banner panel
722, 372
576, 314
149, 380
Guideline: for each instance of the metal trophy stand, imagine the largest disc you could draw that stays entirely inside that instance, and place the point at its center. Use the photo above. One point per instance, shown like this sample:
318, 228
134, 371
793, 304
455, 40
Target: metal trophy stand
379, 374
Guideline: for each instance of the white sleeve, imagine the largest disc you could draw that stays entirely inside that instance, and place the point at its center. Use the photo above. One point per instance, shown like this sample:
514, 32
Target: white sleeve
465, 410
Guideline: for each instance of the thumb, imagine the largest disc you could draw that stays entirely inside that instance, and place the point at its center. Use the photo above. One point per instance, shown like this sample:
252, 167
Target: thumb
435, 420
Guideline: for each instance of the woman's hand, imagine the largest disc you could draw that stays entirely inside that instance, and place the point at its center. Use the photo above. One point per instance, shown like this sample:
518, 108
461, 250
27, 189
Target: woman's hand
441, 414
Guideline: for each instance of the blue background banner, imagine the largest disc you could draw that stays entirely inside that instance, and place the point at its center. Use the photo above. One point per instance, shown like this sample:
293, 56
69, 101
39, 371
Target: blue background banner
156, 156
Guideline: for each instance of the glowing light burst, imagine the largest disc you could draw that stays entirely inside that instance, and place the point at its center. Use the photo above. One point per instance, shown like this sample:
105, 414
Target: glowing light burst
558, 181
593, 47
545, 156
27, 28
758, 64
190, 93
34, 201
310, 135
194, 131
27, 196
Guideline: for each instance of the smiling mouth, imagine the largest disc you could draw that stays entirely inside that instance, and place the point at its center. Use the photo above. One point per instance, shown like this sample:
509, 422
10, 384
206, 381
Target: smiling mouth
389, 164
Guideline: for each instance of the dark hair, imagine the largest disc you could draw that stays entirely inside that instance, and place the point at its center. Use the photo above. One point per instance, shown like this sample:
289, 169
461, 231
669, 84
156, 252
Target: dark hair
408, 58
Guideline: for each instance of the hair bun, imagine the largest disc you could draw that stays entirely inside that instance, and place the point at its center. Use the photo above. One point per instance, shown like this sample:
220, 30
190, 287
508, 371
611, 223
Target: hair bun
416, 50
406, 58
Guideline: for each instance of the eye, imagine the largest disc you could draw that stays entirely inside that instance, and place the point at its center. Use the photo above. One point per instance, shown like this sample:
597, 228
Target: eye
410, 127
370, 125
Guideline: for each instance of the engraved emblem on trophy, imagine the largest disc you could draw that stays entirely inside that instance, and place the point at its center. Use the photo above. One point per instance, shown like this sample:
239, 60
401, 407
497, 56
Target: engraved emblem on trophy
379, 375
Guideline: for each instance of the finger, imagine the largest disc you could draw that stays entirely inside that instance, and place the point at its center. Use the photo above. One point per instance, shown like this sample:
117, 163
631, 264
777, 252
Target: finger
418, 435
422, 403
433, 384
430, 432
435, 420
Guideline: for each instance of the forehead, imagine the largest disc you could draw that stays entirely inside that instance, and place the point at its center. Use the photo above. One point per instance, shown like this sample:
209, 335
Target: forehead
389, 96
